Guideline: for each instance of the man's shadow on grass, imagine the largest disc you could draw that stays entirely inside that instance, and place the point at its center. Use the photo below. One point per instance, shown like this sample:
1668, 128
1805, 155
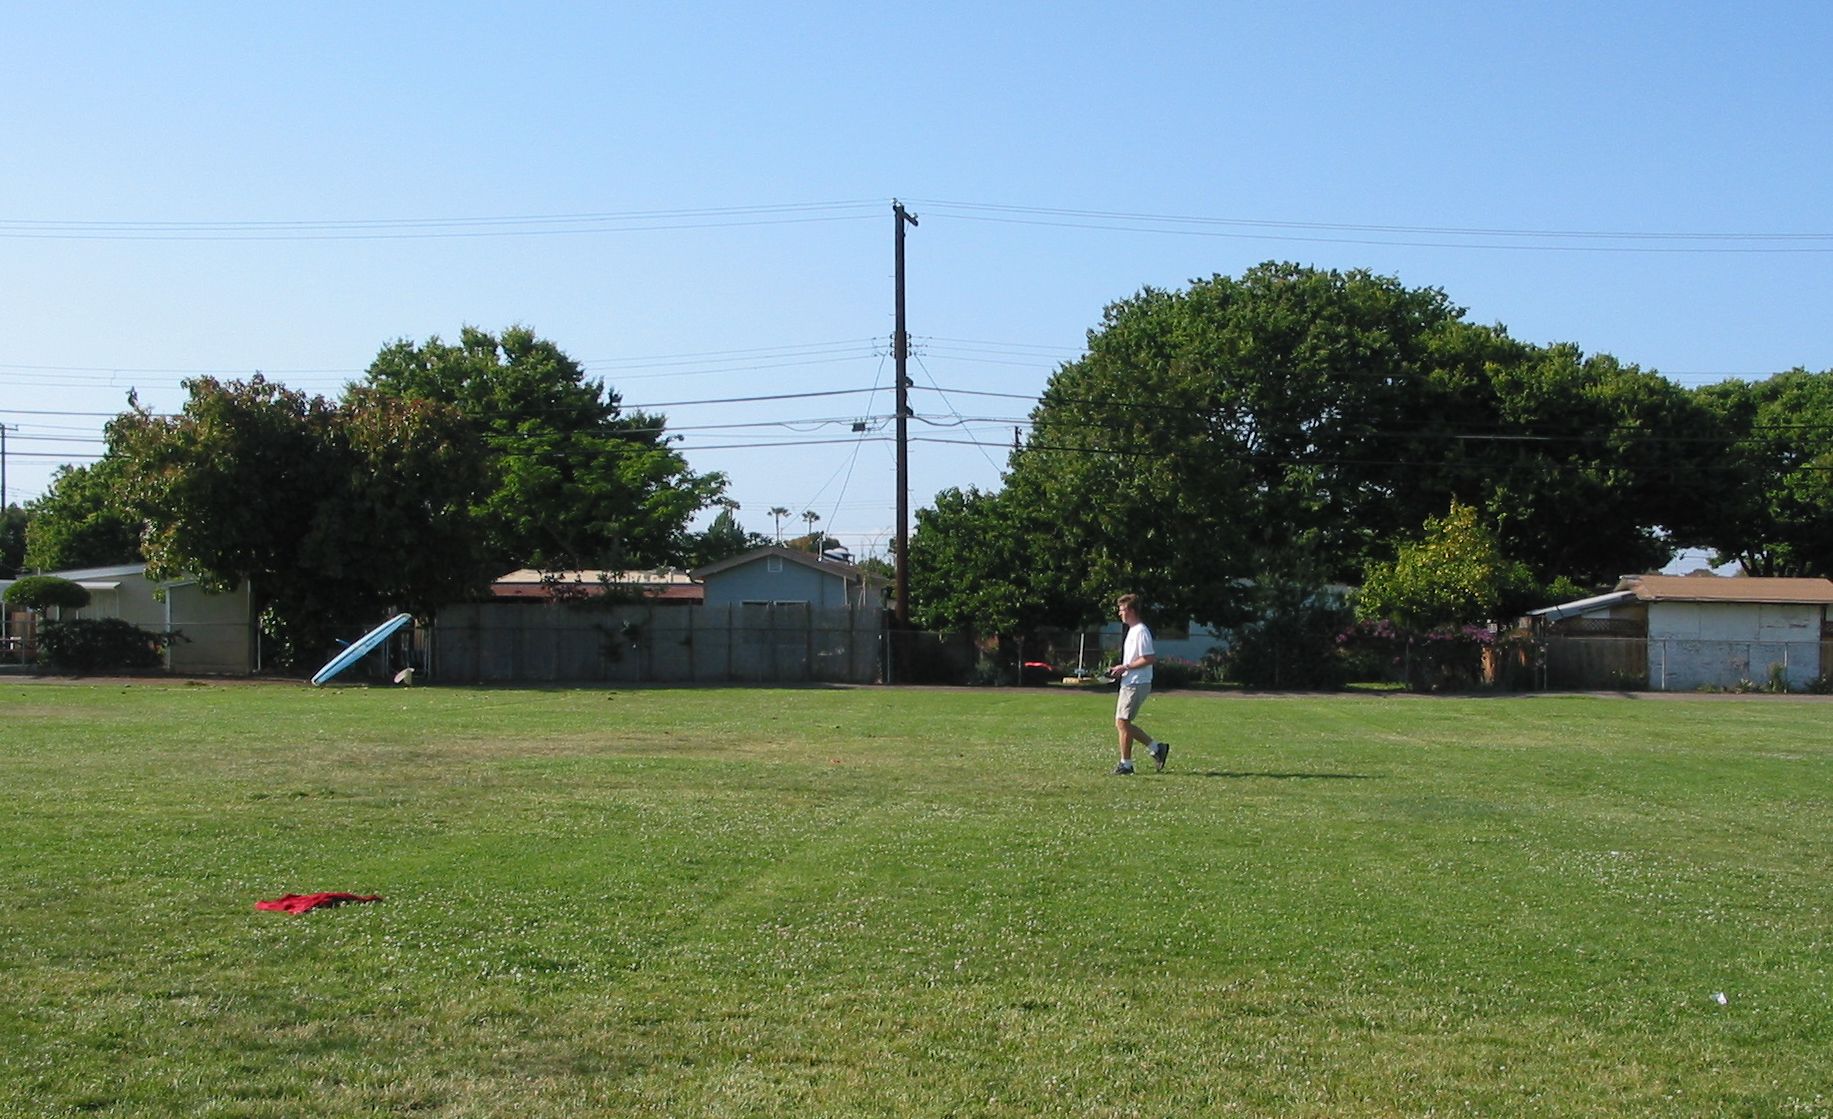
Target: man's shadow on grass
1238, 774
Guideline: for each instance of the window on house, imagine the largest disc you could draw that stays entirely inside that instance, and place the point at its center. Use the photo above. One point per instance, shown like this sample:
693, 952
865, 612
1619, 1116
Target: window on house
773, 564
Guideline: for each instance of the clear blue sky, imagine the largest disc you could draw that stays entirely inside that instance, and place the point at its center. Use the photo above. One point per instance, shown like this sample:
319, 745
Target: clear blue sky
227, 188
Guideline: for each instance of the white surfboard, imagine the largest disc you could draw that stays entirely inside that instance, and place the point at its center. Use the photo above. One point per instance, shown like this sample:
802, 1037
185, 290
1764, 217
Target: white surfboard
360, 648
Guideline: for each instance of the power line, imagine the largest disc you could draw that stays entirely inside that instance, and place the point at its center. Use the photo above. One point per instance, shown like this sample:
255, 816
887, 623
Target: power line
873, 344
1401, 244
1248, 457
992, 344
529, 225
622, 405
1259, 229
678, 366
1538, 431
860, 209
951, 407
853, 459
746, 399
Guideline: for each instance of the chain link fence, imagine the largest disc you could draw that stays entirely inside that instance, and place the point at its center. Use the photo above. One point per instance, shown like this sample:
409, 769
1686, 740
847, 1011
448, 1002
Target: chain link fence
766, 643
1589, 662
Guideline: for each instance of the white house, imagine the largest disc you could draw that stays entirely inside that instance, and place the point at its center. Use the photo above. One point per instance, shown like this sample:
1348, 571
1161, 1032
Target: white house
1708, 631
216, 630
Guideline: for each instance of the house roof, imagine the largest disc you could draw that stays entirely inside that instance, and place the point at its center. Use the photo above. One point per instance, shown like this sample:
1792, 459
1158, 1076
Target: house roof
833, 567
86, 584
104, 578
661, 577
666, 584
1582, 606
1717, 588
113, 571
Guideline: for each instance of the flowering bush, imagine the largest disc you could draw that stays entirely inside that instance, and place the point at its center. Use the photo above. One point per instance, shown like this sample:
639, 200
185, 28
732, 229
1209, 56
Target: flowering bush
1178, 672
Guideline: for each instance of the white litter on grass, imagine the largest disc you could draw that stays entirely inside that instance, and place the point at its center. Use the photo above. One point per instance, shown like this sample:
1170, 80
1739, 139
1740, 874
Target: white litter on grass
1719, 997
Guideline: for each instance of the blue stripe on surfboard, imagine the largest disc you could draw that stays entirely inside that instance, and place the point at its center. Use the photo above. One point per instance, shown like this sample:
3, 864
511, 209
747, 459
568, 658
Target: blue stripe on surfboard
360, 648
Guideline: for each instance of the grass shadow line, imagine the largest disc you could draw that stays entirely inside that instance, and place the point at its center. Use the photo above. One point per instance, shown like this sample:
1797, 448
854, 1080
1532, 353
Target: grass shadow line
1240, 774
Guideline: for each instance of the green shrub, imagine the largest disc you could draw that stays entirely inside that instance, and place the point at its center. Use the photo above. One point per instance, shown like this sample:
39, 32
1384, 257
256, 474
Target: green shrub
41, 592
100, 644
1292, 646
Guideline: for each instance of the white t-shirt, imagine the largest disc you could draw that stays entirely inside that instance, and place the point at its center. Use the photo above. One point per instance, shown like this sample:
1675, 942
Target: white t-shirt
1138, 644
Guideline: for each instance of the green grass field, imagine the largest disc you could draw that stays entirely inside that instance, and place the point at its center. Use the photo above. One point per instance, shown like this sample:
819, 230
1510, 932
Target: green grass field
885, 903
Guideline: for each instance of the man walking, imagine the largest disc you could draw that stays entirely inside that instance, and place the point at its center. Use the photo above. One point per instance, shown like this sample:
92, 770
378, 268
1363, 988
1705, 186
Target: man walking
1137, 656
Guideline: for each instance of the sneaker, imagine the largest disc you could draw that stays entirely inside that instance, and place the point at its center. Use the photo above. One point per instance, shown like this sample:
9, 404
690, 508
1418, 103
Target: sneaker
1124, 769
1160, 751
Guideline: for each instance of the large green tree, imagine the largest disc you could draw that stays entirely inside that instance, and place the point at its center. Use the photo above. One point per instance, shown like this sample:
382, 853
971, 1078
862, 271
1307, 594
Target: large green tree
1771, 510
1239, 429
576, 480
1589, 468
13, 522
981, 562
330, 511
81, 521
1293, 425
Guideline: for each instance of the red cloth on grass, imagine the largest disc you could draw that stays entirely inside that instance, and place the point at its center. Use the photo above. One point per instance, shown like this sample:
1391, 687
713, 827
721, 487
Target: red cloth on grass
299, 903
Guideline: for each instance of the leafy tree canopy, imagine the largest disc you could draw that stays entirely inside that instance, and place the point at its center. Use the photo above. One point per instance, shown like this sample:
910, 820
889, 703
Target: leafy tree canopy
449, 465
331, 511
81, 520
13, 521
1773, 511
1236, 429
1289, 427
984, 562
1589, 467
1456, 575
723, 539
576, 482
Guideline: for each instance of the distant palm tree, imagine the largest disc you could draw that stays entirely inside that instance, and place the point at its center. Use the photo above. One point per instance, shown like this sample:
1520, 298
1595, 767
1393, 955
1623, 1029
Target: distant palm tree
779, 513
811, 517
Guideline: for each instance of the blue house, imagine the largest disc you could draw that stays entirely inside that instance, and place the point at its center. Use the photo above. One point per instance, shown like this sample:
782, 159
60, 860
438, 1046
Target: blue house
778, 576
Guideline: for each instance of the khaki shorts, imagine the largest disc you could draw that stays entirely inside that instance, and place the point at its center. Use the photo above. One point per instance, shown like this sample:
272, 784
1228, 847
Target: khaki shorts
1132, 698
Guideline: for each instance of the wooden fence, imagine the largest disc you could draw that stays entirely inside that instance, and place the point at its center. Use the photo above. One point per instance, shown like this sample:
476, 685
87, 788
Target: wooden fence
1593, 663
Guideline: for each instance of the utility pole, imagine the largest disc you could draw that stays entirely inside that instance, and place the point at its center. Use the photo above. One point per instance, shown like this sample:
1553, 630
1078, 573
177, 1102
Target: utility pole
900, 347
2, 468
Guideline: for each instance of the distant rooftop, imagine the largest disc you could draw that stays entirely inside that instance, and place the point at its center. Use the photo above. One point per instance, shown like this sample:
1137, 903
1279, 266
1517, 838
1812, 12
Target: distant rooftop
668, 583
1718, 588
